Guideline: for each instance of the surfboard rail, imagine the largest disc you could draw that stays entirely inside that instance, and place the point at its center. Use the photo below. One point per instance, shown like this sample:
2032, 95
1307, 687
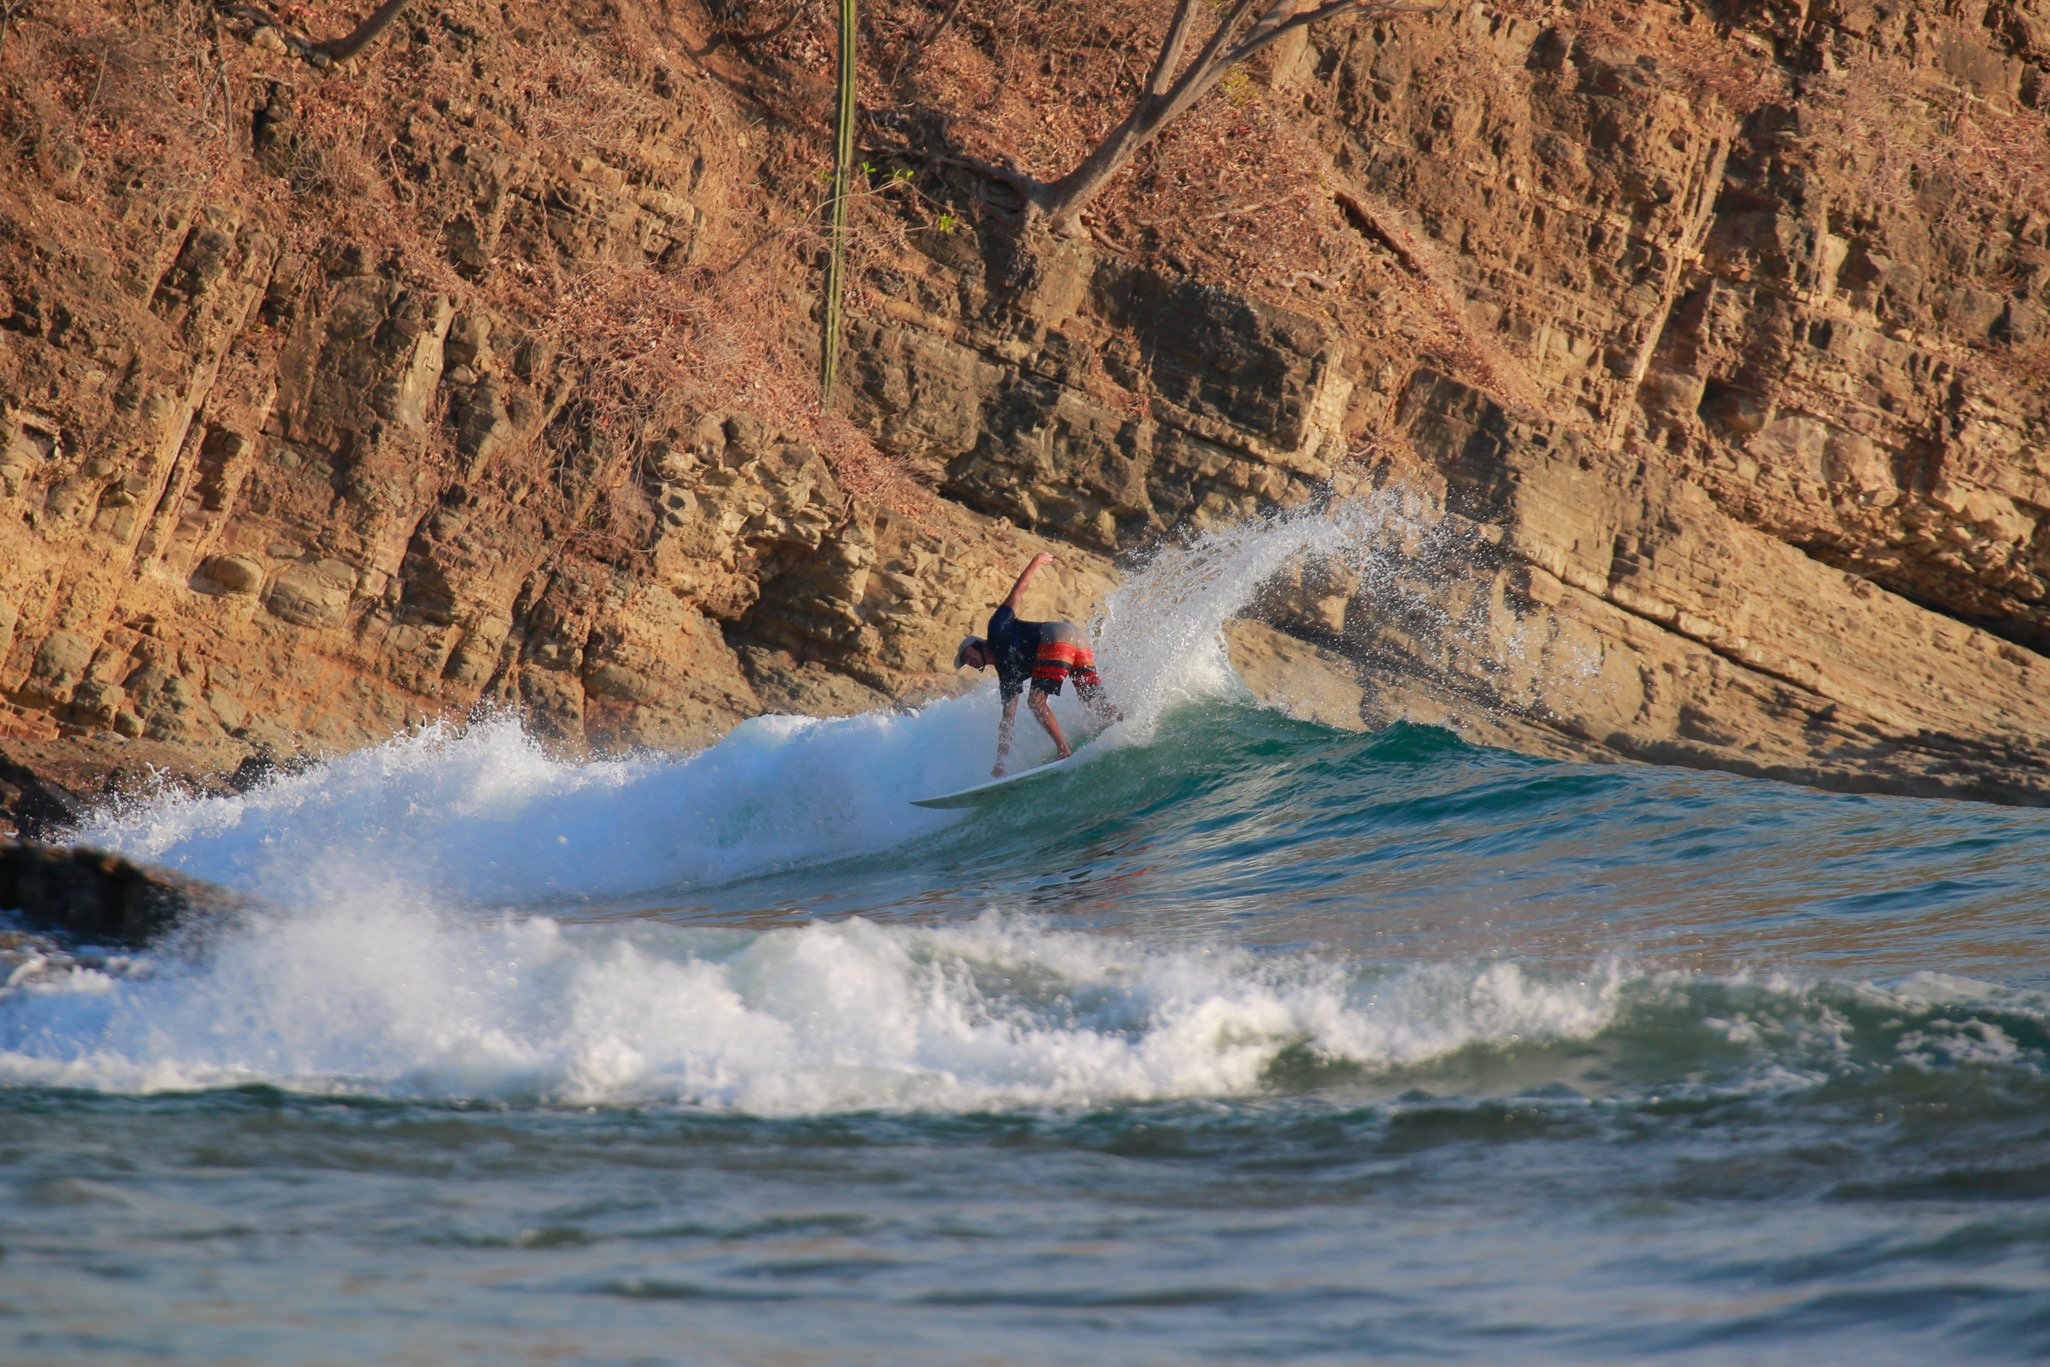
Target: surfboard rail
988, 789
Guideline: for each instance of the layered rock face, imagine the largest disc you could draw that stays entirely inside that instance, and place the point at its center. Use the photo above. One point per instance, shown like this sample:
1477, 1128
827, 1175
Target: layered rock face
1728, 431
1752, 474
269, 484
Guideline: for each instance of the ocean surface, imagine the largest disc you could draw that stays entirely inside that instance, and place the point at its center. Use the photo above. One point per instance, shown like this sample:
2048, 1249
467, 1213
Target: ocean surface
1248, 1041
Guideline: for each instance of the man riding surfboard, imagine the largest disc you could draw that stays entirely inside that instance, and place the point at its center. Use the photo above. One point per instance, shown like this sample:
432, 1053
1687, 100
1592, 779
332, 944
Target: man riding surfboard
1047, 653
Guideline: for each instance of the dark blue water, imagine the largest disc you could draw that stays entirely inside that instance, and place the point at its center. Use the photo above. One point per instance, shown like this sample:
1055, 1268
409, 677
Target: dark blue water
1254, 1043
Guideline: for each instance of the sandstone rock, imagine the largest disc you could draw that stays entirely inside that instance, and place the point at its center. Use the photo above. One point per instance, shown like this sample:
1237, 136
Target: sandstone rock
475, 659
1240, 402
1726, 424
1292, 676
469, 341
1622, 609
807, 690
312, 595
60, 662
233, 573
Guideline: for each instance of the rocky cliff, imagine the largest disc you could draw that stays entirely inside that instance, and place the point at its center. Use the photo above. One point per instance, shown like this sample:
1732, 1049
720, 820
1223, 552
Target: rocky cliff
1704, 345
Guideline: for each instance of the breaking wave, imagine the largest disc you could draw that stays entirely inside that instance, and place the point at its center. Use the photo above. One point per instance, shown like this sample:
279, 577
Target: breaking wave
853, 1016
484, 814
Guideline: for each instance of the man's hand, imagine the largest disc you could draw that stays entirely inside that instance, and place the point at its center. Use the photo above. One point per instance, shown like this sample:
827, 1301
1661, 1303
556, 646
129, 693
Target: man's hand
1017, 594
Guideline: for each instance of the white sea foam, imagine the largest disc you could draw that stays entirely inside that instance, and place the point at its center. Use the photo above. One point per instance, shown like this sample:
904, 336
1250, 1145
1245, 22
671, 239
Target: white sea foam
382, 1000
485, 816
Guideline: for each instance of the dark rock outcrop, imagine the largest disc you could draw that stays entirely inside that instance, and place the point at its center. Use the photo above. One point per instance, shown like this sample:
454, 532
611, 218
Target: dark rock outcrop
89, 897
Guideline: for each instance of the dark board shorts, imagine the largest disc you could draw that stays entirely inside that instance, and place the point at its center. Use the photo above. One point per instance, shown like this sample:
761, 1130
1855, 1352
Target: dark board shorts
1063, 654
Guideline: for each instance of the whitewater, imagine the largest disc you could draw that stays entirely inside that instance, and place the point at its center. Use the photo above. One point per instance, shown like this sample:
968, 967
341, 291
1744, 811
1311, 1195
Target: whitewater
1248, 1040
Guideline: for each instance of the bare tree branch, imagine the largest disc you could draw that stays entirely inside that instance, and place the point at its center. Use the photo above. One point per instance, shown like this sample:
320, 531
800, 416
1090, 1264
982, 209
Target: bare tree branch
332, 49
342, 49
8, 13
1207, 60
1171, 47
1172, 88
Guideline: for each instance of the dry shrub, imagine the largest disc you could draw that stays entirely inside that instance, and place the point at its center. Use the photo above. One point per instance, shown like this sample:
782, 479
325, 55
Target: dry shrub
121, 112
1236, 189
1236, 181
158, 99
1916, 137
657, 344
1041, 80
1689, 47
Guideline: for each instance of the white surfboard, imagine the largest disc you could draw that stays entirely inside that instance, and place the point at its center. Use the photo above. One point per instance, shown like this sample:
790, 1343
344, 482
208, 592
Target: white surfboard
994, 788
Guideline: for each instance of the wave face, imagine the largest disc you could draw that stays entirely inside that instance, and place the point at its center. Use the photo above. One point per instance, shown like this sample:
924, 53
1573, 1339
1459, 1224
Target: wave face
1244, 1039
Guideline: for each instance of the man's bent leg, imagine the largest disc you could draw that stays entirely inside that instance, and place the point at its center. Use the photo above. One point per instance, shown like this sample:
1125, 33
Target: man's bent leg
1043, 710
1092, 696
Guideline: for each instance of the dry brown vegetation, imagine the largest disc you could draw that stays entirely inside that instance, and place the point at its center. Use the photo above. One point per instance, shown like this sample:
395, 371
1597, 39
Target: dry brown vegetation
144, 110
1920, 141
155, 99
143, 107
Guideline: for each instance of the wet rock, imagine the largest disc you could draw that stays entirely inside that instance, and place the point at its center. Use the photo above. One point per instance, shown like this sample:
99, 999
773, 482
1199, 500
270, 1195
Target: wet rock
31, 804
90, 897
266, 765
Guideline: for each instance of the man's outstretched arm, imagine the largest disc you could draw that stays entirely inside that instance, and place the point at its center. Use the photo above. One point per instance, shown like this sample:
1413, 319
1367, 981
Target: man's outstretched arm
1018, 589
1004, 729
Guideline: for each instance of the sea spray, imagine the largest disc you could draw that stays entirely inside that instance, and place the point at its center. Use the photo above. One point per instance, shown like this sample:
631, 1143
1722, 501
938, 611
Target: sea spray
1286, 1042
1384, 552
484, 815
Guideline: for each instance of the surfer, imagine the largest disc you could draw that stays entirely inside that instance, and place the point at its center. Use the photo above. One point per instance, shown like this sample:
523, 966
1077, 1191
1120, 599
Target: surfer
1047, 653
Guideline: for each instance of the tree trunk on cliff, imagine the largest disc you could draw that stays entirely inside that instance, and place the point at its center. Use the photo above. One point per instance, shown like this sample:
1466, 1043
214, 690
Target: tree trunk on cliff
843, 184
1172, 89
332, 49
342, 49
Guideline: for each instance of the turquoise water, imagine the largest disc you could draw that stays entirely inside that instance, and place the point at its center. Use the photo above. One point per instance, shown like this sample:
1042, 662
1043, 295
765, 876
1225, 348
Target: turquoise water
1249, 1041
